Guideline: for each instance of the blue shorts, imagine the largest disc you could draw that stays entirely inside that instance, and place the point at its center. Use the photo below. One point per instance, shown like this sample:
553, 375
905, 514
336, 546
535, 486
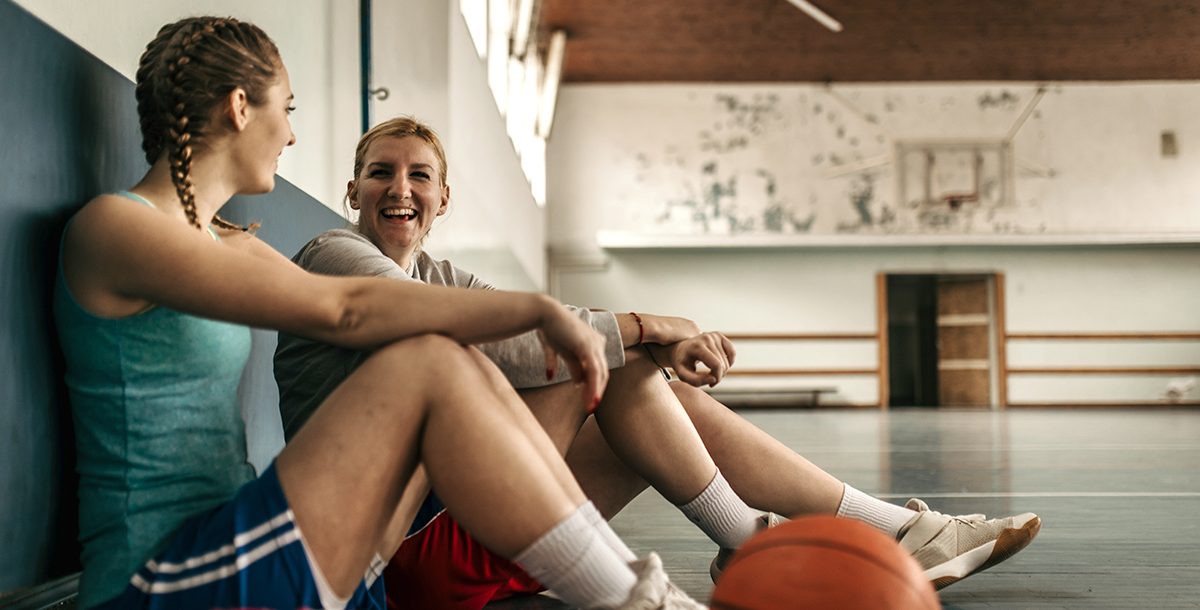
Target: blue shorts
246, 553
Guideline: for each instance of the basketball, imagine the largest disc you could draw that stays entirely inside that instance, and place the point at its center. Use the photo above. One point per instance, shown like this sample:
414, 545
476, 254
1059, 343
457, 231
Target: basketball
823, 562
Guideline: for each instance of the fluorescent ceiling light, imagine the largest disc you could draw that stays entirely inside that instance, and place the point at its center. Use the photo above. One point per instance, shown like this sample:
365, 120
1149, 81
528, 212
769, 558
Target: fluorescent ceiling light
821, 16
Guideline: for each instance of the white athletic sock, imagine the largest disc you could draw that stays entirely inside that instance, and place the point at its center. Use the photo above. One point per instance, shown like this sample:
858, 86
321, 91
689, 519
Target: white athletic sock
574, 562
884, 516
610, 537
721, 514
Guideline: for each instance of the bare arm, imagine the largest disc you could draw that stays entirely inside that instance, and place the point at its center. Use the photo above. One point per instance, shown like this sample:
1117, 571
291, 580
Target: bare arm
116, 251
680, 344
663, 330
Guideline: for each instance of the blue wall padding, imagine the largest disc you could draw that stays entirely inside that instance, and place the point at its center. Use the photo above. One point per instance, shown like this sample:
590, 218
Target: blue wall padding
69, 131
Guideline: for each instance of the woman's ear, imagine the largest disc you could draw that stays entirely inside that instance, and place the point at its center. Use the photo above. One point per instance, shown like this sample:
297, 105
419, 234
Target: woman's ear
352, 195
237, 108
445, 200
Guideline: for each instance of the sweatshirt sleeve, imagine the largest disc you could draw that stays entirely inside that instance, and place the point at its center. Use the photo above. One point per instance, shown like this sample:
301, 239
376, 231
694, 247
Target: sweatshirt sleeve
520, 358
342, 252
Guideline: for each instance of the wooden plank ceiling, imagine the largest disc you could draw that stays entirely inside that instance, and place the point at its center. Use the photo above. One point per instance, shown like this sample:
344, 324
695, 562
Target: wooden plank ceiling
883, 40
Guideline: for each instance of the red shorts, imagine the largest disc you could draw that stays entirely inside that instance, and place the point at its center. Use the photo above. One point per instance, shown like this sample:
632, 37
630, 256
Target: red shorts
442, 566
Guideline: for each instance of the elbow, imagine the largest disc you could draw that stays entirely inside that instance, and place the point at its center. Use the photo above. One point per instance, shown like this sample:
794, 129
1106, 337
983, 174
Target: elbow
342, 319
348, 321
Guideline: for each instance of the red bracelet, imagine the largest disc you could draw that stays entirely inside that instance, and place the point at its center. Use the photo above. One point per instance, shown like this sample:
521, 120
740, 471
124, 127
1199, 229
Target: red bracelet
641, 328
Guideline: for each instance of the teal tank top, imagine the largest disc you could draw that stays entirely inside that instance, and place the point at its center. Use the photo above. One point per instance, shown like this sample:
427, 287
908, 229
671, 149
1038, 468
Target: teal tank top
158, 428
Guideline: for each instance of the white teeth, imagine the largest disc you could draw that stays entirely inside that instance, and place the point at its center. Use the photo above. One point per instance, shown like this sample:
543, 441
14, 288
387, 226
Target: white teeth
399, 213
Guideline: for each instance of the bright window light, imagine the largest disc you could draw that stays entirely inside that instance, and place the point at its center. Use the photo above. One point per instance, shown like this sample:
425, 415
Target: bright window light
475, 14
499, 31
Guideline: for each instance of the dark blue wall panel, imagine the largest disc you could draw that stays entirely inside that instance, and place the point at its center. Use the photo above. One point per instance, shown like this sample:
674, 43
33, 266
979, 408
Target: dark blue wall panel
69, 131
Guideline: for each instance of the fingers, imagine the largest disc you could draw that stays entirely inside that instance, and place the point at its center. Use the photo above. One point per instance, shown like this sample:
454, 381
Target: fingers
711, 349
691, 376
583, 350
730, 353
550, 354
589, 367
712, 354
595, 380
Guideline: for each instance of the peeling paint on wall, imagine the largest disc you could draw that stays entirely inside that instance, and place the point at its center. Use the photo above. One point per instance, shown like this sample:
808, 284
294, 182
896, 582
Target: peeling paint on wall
813, 159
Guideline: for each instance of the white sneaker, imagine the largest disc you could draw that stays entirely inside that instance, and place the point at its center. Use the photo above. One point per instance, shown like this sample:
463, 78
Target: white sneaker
717, 566
654, 591
951, 548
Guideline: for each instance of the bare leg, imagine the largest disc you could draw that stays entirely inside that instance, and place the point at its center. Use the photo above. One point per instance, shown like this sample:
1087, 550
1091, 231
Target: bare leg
569, 403
414, 495
606, 480
764, 472
346, 470
647, 428
640, 434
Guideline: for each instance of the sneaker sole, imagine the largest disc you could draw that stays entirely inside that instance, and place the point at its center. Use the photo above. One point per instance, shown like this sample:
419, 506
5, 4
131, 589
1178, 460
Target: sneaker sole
980, 558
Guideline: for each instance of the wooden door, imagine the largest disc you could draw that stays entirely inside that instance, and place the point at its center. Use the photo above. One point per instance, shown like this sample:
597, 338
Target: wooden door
964, 341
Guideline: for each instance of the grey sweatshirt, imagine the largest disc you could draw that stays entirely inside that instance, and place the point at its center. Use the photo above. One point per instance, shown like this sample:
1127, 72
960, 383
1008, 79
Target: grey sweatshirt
307, 371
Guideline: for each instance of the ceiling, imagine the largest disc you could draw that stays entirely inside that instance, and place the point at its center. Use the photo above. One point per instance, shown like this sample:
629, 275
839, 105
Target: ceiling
883, 40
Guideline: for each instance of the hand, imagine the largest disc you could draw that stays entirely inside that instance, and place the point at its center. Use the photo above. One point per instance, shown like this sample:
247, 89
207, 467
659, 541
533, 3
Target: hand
712, 349
563, 333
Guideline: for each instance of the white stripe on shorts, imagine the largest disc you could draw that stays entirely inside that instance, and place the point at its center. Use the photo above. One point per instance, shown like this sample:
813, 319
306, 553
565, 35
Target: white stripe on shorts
240, 540
216, 574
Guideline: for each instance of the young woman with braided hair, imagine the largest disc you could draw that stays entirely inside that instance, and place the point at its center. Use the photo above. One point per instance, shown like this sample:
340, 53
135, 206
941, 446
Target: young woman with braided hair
719, 469
153, 304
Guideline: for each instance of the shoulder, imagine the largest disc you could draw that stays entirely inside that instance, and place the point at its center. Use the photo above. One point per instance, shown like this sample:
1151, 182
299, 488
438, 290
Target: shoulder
112, 219
247, 242
345, 252
438, 271
340, 239
109, 208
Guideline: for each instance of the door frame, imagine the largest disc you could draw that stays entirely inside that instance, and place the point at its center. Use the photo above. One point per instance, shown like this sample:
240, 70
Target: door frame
998, 352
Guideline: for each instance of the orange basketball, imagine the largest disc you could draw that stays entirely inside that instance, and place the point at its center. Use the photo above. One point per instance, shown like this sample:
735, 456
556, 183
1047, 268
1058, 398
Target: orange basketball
823, 562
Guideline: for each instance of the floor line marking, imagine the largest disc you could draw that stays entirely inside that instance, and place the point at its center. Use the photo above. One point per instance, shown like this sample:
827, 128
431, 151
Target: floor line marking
1048, 494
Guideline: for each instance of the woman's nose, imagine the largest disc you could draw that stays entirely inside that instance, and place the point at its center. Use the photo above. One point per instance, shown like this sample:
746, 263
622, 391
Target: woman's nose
400, 189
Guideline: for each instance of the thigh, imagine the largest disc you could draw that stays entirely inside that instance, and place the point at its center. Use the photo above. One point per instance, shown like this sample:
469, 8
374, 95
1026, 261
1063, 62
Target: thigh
559, 410
345, 471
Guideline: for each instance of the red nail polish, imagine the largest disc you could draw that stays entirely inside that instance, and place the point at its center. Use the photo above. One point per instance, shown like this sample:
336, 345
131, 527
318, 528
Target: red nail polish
549, 374
595, 405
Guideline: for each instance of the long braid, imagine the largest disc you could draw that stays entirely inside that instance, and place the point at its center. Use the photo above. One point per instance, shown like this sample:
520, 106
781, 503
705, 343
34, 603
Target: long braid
178, 137
212, 28
182, 77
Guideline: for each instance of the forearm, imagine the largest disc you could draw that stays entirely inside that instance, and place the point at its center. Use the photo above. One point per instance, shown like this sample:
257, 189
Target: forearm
522, 361
377, 311
656, 329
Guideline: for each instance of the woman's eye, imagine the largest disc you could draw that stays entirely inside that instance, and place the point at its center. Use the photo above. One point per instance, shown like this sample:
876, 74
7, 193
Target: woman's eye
421, 175
376, 173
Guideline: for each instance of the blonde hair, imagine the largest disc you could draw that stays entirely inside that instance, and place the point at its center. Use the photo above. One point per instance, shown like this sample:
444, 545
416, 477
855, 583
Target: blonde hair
399, 127
189, 68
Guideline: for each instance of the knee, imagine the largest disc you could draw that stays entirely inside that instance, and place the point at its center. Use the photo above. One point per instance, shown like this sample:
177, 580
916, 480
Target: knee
638, 365
491, 372
685, 392
427, 356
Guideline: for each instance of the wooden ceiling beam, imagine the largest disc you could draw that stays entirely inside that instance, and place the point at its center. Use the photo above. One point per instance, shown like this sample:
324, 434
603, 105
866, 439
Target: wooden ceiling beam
883, 41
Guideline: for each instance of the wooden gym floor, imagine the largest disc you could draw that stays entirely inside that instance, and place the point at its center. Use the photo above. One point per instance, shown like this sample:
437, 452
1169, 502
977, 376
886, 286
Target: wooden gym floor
1118, 493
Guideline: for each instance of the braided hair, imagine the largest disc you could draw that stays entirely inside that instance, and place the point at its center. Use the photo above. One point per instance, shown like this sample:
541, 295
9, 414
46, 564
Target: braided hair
189, 68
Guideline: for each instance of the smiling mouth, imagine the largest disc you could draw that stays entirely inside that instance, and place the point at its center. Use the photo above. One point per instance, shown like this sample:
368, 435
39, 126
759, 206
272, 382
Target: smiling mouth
400, 214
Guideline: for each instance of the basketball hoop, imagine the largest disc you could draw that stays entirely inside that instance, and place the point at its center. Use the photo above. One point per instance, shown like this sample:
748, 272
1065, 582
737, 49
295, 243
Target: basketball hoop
955, 200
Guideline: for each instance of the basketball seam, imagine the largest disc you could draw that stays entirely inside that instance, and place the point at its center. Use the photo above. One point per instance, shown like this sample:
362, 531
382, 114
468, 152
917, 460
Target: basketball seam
845, 548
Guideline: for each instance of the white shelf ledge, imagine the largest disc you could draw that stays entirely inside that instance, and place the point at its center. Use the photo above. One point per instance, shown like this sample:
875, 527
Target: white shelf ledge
622, 240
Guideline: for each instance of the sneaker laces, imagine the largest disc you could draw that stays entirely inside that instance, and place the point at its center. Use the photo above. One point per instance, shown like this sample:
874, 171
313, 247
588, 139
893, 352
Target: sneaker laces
920, 506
